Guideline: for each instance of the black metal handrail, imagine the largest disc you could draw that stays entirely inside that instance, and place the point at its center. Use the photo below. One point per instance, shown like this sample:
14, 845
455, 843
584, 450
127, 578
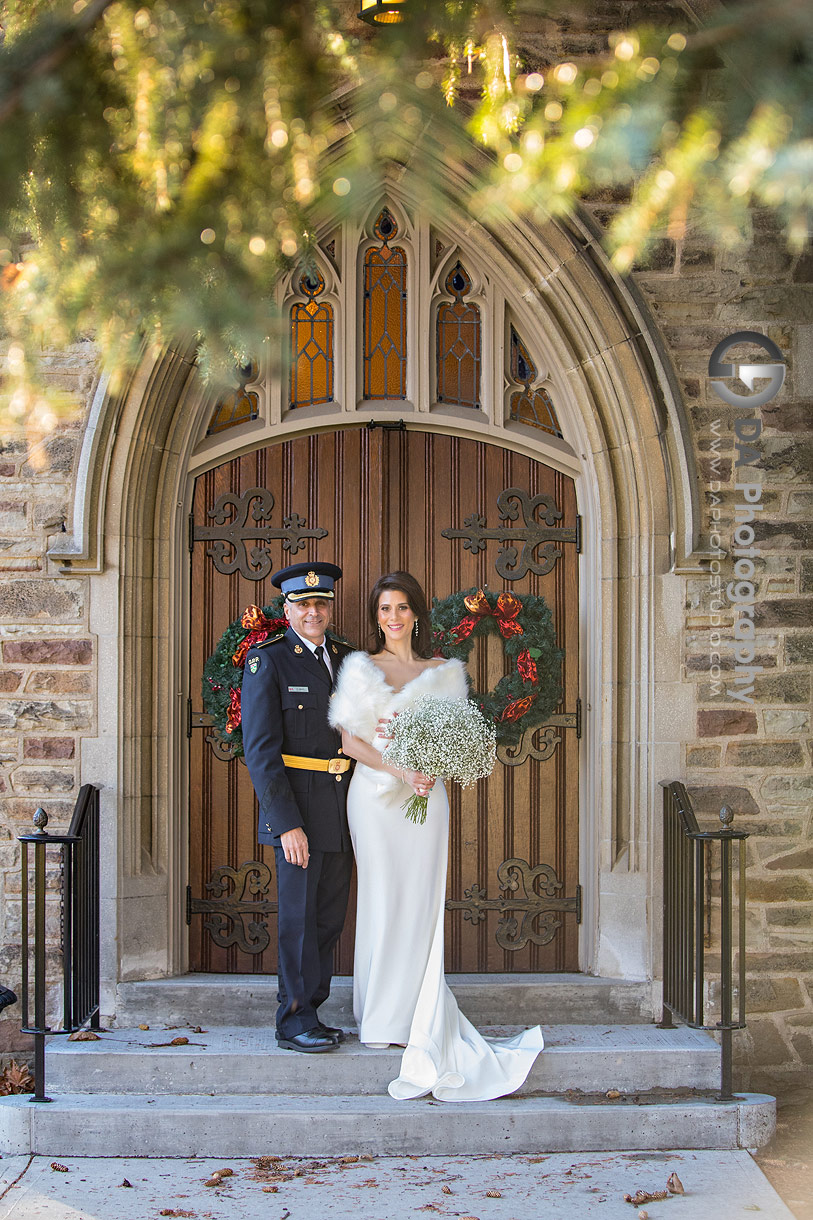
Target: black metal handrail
686, 895
79, 925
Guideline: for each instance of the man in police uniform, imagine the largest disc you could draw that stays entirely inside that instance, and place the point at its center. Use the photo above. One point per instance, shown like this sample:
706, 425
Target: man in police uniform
300, 777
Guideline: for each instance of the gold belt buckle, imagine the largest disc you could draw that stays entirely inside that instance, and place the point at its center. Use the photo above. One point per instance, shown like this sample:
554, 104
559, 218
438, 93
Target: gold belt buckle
335, 766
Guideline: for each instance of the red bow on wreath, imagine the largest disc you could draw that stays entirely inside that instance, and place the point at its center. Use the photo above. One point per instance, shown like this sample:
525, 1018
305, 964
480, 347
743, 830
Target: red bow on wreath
259, 628
505, 612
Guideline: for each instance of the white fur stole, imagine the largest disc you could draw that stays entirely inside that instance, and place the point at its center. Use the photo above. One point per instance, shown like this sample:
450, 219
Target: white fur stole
363, 695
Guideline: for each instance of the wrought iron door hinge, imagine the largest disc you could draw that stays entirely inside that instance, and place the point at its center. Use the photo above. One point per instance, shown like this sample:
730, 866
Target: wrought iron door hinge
578, 904
190, 542
387, 425
188, 905
578, 534
578, 719
189, 717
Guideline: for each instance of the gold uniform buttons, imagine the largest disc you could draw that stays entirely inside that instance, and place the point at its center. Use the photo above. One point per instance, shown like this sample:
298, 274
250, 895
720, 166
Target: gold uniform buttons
299, 706
338, 751
338, 779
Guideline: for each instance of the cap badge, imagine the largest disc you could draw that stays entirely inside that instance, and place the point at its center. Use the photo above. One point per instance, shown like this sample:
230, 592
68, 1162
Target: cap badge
253, 664
311, 580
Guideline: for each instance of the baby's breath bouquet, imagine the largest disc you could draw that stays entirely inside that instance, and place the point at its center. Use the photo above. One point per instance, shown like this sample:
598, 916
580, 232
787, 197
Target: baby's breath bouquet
441, 737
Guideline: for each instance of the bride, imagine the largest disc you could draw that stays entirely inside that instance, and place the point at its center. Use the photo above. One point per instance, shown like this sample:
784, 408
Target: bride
400, 994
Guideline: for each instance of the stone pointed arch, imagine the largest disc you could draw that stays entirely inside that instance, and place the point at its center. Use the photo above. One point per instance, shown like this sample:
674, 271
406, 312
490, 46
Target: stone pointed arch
625, 443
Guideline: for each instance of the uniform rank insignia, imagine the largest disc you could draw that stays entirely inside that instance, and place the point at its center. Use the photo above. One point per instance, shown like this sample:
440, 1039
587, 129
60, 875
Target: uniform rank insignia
334, 649
253, 664
298, 690
298, 649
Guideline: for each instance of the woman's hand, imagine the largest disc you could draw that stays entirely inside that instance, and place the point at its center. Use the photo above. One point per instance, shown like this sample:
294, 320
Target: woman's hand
420, 784
382, 729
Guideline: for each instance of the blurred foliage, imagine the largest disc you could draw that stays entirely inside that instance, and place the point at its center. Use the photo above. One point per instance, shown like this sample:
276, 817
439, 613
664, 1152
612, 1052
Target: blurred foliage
162, 163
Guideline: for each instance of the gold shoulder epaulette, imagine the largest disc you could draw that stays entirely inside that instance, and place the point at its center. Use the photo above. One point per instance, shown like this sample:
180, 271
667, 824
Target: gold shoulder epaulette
272, 639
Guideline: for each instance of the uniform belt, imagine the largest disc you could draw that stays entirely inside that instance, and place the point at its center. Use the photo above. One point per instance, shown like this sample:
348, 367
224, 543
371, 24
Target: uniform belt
334, 766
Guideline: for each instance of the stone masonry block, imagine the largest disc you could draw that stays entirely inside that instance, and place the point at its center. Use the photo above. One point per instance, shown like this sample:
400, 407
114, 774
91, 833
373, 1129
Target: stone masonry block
703, 756
60, 682
768, 1045
708, 800
49, 747
786, 416
781, 888
765, 754
725, 723
59, 600
790, 789
51, 779
783, 688
10, 679
53, 456
800, 859
799, 648
800, 915
773, 995
48, 652
800, 1029
35, 714
13, 516
782, 722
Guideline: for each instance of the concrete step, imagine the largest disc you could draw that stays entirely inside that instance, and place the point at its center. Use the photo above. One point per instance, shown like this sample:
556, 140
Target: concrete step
486, 999
239, 1061
237, 1126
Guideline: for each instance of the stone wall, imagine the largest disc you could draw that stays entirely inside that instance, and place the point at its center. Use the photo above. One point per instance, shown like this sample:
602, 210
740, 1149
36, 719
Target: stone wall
47, 663
751, 749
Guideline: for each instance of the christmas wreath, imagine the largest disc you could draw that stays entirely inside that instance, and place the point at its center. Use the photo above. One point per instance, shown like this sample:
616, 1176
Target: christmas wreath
525, 697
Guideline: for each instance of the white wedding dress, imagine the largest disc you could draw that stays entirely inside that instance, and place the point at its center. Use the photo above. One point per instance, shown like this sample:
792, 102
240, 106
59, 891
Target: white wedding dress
399, 989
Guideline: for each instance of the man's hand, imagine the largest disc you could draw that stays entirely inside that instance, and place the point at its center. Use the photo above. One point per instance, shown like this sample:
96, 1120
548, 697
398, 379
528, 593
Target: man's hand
295, 845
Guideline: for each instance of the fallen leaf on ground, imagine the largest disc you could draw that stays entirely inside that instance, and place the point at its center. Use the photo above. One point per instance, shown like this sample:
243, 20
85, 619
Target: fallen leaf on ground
493, 1194
643, 1215
675, 1185
224, 1173
176, 1042
59, 1168
172, 1211
612, 1094
271, 1190
348, 1160
83, 1035
16, 1078
447, 1190
126, 1183
646, 1196
213, 1182
147, 1027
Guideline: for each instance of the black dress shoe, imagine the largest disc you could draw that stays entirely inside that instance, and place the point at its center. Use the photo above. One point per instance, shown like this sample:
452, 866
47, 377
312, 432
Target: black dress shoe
331, 1031
311, 1042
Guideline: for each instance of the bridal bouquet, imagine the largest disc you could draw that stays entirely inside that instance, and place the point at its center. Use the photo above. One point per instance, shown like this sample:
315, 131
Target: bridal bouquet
441, 737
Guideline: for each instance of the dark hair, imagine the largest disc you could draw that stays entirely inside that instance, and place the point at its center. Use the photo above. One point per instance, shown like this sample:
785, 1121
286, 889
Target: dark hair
402, 582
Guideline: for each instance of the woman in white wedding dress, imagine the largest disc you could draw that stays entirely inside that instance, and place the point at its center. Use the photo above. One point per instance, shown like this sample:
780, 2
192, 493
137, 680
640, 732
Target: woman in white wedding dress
400, 994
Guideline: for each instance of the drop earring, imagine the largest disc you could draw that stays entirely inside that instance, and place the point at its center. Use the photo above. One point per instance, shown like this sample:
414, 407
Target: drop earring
415, 629
380, 631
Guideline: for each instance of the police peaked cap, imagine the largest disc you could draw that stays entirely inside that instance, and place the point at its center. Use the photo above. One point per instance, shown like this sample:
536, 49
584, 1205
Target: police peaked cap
303, 580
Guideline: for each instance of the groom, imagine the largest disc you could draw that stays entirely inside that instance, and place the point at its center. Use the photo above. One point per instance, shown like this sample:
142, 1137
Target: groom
300, 777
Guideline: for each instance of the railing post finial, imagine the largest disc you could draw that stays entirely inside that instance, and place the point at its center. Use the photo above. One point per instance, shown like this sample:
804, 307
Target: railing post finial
40, 820
726, 817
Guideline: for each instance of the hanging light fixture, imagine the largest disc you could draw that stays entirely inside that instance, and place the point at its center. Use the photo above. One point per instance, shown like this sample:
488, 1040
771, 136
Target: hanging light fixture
382, 12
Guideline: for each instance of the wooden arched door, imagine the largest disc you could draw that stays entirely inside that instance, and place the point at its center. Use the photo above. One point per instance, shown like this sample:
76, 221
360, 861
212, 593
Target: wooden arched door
373, 500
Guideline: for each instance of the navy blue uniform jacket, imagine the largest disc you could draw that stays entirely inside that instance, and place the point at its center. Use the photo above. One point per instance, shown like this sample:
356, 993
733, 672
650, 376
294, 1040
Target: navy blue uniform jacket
284, 704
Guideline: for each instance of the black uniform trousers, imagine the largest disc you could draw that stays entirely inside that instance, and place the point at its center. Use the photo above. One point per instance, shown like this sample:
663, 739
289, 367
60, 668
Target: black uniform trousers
312, 906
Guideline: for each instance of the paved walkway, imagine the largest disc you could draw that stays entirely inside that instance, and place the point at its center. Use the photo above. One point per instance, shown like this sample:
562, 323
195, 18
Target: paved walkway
561, 1186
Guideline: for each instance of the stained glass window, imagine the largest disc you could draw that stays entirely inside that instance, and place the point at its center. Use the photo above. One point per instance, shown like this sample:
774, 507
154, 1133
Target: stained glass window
458, 344
311, 344
385, 320
530, 406
236, 405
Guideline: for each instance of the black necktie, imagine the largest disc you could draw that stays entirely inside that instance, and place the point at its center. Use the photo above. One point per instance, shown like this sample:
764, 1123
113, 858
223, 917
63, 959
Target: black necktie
319, 653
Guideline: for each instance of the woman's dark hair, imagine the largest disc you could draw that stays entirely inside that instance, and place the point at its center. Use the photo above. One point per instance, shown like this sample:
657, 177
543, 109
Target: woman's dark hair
402, 582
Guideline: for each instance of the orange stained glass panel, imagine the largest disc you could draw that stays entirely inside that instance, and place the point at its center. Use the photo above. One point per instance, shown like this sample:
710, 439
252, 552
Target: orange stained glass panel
458, 344
311, 354
385, 322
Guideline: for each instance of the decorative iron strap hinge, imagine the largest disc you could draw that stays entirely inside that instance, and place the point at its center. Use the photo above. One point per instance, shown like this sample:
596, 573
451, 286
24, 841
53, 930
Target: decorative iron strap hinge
387, 425
241, 527
190, 541
188, 905
189, 717
578, 719
536, 892
532, 547
578, 534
